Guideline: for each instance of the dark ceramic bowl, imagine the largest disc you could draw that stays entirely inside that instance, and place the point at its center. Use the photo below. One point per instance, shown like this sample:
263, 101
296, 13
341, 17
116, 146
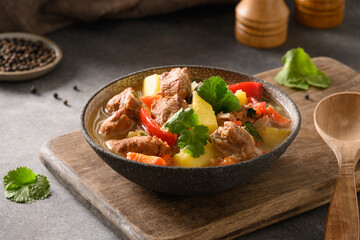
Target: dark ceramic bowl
181, 180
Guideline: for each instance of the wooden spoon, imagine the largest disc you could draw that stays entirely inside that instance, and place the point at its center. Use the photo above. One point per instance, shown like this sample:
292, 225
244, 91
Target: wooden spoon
337, 119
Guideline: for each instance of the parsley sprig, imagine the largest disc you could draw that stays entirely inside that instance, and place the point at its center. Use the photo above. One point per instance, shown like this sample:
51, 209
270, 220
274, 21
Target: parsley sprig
192, 137
181, 120
250, 113
252, 131
23, 186
215, 91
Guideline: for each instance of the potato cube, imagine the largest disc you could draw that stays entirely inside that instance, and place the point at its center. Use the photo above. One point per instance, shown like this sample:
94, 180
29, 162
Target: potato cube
184, 159
242, 97
205, 112
151, 85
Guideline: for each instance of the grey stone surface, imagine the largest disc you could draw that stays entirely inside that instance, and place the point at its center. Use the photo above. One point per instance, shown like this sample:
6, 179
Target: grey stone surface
96, 53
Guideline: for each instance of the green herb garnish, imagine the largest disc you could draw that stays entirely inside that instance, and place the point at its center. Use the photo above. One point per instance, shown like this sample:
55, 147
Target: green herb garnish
252, 131
250, 113
181, 120
215, 91
299, 71
194, 140
141, 133
192, 137
134, 93
23, 186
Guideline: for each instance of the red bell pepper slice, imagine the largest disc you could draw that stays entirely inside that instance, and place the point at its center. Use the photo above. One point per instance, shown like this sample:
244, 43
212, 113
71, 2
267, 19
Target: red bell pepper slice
259, 107
252, 100
276, 117
154, 128
252, 89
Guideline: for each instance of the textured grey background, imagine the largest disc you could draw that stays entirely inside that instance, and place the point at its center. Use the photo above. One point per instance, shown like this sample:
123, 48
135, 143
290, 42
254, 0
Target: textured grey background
96, 53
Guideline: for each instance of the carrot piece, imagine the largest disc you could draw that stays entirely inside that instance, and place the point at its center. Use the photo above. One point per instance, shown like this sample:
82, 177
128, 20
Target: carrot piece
259, 107
227, 161
239, 123
154, 160
149, 100
276, 117
166, 157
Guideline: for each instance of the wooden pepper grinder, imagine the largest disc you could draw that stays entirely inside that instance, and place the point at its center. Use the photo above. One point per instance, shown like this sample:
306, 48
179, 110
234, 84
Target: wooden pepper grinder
319, 13
261, 23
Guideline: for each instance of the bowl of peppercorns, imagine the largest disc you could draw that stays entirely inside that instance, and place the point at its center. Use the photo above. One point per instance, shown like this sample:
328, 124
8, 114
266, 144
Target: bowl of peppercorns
25, 56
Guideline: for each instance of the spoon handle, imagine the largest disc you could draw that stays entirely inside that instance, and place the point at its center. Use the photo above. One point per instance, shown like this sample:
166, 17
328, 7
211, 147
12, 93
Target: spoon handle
343, 216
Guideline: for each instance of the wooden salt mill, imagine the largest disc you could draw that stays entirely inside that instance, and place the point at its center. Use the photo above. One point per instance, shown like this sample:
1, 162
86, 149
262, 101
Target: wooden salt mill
319, 13
261, 23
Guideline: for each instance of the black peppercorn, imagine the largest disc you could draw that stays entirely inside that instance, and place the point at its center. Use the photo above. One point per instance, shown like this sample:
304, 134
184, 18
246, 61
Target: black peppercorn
56, 95
75, 88
33, 90
65, 102
307, 96
23, 55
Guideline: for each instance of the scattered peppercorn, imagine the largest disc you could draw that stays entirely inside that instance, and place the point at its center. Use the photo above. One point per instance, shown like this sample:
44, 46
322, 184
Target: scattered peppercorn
65, 102
56, 95
23, 55
307, 96
33, 89
75, 88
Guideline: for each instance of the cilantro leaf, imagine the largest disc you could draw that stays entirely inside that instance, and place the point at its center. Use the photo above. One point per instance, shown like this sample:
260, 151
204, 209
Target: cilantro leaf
40, 190
250, 113
299, 71
192, 136
181, 120
15, 178
252, 131
194, 140
23, 186
215, 91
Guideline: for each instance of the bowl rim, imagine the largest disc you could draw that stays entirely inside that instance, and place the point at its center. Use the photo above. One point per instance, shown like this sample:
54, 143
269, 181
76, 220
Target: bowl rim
287, 141
34, 37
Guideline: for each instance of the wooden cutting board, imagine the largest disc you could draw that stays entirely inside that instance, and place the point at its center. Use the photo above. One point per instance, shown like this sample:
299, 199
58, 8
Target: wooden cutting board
302, 179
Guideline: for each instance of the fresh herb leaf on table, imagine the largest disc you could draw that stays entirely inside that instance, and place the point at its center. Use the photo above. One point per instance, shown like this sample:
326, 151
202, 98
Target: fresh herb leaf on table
299, 71
252, 131
215, 91
192, 137
23, 186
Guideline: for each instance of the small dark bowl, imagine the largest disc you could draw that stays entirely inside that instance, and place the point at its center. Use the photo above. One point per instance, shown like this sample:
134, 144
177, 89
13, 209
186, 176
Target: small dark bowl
181, 180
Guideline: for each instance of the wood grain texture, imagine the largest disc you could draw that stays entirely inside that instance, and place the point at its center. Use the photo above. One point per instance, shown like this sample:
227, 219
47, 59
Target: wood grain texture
302, 179
319, 14
261, 23
337, 122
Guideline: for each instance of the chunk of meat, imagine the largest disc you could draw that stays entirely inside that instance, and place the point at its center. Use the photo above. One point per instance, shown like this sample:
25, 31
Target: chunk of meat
221, 118
127, 100
147, 145
177, 81
234, 141
117, 124
240, 115
164, 108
